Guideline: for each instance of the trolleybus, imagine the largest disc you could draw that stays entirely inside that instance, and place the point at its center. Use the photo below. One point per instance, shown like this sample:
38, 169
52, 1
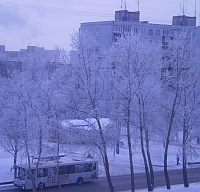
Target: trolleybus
47, 174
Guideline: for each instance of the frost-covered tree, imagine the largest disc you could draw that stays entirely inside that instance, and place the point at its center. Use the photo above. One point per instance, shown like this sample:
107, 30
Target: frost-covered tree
56, 92
24, 100
134, 72
90, 93
189, 106
180, 77
10, 126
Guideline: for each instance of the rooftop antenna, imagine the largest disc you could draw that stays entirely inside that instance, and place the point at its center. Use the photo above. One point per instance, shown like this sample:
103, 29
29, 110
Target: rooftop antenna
182, 9
125, 4
121, 4
195, 12
183, 6
138, 3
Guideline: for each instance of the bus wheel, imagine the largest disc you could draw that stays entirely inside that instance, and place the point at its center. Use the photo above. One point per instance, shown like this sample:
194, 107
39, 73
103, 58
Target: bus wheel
41, 185
79, 181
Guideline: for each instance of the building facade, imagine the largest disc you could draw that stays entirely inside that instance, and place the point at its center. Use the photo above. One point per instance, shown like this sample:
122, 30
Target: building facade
25, 58
128, 23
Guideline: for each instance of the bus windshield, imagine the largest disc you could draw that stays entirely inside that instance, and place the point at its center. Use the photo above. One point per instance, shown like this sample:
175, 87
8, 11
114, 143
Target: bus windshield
20, 173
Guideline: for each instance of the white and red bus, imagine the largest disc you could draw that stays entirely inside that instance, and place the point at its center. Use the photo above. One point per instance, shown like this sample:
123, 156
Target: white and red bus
47, 174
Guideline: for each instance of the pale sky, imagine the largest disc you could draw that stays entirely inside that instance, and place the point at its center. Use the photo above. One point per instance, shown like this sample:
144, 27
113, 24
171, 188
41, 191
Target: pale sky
49, 23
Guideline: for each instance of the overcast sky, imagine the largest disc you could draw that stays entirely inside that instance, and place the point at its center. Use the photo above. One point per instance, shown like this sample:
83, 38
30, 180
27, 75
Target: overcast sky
50, 23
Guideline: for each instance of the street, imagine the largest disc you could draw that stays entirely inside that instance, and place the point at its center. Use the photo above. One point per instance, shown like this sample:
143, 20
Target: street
122, 182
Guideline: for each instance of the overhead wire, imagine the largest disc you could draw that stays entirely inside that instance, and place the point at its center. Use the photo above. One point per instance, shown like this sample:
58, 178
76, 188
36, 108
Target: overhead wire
24, 26
57, 10
47, 9
42, 34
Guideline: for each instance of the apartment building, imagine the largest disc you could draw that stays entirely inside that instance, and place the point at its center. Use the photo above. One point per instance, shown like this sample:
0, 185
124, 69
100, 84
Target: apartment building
23, 59
128, 23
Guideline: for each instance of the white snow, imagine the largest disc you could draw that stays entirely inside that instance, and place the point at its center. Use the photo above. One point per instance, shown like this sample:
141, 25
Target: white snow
194, 187
6, 162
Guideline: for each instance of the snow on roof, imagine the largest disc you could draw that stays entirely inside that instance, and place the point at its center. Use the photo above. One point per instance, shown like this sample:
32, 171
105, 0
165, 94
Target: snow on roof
87, 124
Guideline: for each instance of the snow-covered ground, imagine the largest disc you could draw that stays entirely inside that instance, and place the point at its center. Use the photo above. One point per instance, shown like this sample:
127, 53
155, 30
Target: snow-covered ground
119, 163
194, 187
6, 162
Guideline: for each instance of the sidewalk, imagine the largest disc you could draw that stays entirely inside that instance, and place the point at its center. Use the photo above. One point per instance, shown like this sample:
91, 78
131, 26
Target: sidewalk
194, 187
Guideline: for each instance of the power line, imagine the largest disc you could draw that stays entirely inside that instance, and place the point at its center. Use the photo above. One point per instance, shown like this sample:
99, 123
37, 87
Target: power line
37, 35
32, 24
61, 11
46, 9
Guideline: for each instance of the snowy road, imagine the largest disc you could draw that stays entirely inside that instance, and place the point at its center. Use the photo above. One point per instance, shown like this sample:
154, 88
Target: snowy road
123, 182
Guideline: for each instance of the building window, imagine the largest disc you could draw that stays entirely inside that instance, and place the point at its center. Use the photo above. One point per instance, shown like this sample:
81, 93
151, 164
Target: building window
171, 72
165, 32
163, 73
158, 32
135, 30
96, 51
143, 31
150, 31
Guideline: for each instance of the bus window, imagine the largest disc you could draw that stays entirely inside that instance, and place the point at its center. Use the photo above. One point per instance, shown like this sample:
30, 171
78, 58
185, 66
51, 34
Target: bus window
41, 172
20, 173
88, 167
16, 172
30, 173
45, 172
70, 169
62, 170
79, 168
94, 166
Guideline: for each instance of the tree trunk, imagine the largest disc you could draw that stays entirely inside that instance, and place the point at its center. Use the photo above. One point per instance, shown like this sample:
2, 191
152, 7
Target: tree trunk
143, 129
150, 163
165, 167
173, 112
106, 165
105, 157
15, 157
130, 152
185, 178
146, 165
185, 136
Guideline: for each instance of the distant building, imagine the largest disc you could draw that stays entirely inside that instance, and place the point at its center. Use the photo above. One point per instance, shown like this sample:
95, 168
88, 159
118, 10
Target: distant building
184, 20
25, 58
8, 67
128, 23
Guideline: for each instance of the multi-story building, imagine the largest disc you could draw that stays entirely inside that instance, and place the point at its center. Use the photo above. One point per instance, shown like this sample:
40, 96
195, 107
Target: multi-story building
25, 58
128, 23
